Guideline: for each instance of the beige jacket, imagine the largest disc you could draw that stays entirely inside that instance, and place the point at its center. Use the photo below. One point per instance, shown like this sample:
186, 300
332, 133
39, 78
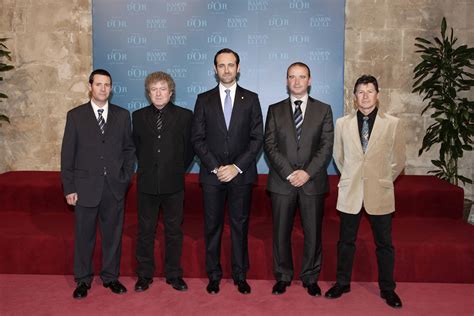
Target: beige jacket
367, 179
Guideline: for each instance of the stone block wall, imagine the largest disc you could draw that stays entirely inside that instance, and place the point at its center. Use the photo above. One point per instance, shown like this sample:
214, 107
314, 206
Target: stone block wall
51, 43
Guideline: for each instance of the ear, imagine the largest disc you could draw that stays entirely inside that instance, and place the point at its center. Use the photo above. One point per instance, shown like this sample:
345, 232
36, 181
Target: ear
309, 81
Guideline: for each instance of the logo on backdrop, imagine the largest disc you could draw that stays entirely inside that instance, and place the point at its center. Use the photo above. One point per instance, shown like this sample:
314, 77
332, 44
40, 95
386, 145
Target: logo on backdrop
133, 38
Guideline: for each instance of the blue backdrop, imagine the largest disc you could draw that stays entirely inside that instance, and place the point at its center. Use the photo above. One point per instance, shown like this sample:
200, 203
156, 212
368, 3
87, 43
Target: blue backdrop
134, 38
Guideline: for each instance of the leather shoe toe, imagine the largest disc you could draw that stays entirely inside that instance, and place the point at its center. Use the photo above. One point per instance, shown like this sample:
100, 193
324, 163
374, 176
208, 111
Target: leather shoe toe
280, 287
243, 286
81, 290
391, 298
337, 290
143, 284
116, 287
213, 287
313, 289
178, 284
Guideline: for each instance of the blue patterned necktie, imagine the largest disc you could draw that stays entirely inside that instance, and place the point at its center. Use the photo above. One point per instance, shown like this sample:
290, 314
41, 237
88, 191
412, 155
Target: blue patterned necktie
100, 120
227, 107
364, 137
298, 117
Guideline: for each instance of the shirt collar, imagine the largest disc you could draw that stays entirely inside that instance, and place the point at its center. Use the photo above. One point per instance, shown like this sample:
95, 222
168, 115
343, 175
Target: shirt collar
371, 115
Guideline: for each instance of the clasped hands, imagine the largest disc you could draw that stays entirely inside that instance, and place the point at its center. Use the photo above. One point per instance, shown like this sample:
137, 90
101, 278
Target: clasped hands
298, 178
226, 173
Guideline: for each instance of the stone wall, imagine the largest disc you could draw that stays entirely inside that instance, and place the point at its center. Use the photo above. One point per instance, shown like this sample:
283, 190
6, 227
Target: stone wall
51, 43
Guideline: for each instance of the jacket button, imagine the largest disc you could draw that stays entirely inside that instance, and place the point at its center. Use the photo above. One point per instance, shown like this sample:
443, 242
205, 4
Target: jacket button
158, 150
159, 136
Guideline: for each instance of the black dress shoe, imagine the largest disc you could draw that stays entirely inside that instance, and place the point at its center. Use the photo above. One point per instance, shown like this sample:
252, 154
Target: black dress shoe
143, 284
391, 298
178, 284
243, 286
337, 290
116, 287
280, 287
81, 290
213, 287
313, 288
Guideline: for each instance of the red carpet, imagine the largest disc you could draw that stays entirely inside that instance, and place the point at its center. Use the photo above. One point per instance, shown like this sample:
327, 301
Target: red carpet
431, 241
52, 295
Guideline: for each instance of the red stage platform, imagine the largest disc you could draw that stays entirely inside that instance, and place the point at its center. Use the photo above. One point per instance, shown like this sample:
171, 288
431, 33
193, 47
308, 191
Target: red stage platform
431, 241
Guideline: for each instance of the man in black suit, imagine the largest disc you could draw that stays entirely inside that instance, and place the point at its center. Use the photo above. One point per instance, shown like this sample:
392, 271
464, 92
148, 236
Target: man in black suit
227, 136
162, 135
298, 144
97, 159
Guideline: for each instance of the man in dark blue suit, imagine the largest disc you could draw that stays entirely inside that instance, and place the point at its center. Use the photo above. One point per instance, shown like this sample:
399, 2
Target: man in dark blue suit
97, 160
227, 136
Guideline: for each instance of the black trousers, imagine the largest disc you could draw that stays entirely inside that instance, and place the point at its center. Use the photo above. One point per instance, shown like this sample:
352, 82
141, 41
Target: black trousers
148, 210
238, 199
283, 209
382, 232
109, 213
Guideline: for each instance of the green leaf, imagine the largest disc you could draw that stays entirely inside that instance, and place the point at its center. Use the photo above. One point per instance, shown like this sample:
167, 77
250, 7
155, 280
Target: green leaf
420, 39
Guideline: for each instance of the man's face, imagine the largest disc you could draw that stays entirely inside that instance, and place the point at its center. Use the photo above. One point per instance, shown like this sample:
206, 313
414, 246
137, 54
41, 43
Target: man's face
100, 89
366, 97
227, 68
298, 81
159, 93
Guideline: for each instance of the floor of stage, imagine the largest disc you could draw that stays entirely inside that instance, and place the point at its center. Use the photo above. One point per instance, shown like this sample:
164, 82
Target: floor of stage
52, 295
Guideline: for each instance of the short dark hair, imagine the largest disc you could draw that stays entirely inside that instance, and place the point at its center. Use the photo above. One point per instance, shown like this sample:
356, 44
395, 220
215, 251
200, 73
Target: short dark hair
102, 72
227, 51
366, 79
301, 64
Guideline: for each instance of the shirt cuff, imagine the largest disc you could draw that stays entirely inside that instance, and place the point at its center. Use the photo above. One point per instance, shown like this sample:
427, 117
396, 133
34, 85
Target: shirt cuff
238, 169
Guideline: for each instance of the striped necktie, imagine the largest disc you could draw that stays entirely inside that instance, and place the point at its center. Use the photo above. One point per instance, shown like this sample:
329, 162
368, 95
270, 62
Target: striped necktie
298, 117
159, 119
101, 120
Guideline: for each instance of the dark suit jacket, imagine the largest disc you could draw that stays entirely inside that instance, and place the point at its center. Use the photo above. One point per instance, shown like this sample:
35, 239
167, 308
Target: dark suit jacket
312, 153
163, 157
217, 146
86, 152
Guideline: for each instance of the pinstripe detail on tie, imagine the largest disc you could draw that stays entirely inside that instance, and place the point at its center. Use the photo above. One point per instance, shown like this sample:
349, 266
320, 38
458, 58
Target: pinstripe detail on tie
298, 117
101, 120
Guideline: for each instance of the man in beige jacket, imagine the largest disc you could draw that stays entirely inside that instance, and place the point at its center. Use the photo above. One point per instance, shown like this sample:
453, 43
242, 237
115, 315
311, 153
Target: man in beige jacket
369, 151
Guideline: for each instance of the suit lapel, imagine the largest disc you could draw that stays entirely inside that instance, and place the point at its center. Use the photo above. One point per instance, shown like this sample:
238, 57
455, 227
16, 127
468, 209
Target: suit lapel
217, 108
288, 115
377, 130
170, 120
308, 120
111, 119
354, 132
237, 108
92, 120
150, 119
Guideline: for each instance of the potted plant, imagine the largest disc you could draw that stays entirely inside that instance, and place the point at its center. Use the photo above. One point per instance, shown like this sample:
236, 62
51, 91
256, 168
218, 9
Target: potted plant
444, 79
4, 54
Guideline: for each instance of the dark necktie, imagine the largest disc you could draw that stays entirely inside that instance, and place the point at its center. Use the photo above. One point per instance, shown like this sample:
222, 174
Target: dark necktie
159, 119
364, 135
298, 116
100, 120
